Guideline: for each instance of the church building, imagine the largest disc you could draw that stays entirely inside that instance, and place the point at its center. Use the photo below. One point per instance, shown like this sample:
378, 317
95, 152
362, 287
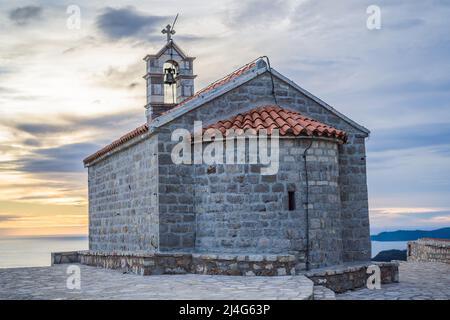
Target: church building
313, 208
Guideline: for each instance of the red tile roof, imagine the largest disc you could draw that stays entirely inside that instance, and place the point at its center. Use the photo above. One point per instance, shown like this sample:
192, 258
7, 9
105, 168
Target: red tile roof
216, 84
144, 128
123, 139
274, 117
267, 117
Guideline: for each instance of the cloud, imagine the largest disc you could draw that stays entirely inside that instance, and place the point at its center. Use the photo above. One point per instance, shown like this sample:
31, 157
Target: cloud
21, 218
382, 219
31, 142
23, 15
192, 38
68, 123
408, 137
7, 217
398, 211
4, 90
66, 158
405, 24
116, 78
124, 120
393, 80
4, 70
441, 219
128, 22
40, 159
41, 128
257, 12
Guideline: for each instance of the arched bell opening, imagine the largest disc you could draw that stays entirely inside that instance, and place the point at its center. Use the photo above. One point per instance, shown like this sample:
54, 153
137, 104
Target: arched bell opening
171, 71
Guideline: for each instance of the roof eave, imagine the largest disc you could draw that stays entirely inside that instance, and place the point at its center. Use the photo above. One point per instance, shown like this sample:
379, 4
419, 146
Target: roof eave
123, 146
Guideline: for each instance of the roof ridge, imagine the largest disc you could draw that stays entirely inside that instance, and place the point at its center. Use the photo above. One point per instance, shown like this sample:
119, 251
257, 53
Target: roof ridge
219, 82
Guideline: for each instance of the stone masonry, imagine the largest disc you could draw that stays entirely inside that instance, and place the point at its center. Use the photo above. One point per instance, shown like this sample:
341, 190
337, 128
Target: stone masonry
240, 210
139, 200
123, 207
176, 201
429, 250
338, 278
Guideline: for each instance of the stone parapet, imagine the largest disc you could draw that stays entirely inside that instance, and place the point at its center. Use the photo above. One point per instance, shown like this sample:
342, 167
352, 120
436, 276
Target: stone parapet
65, 257
429, 250
339, 278
244, 265
148, 263
346, 277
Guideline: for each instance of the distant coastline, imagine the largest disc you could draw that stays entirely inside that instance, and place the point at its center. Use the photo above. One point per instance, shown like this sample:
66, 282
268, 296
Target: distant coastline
410, 235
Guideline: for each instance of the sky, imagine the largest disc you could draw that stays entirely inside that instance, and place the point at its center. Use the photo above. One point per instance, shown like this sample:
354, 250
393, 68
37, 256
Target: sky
67, 91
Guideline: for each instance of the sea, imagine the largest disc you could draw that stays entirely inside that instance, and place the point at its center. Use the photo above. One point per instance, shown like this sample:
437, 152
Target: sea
35, 251
378, 246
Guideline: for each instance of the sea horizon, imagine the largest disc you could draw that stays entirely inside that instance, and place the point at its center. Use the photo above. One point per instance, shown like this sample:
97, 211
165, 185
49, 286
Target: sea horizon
35, 251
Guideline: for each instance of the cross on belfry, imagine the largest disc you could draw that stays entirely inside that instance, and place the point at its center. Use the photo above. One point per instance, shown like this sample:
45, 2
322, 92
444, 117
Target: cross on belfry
168, 31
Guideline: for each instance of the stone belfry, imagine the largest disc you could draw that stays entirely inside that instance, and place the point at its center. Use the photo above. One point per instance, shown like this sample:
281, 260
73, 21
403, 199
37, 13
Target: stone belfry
170, 77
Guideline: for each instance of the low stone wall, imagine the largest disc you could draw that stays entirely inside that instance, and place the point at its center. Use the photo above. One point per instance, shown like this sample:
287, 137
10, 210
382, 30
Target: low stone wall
245, 265
338, 278
139, 263
349, 277
180, 263
65, 257
429, 250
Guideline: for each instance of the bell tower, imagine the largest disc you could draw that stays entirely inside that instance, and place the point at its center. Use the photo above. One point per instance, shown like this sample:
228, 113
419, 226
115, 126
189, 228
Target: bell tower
170, 77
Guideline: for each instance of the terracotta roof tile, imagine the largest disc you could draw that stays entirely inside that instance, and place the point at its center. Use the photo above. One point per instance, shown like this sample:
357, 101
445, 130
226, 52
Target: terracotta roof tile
272, 117
294, 124
216, 84
123, 139
267, 117
144, 128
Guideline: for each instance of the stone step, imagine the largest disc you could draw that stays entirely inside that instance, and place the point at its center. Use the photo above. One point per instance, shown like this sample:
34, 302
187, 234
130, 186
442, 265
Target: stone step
323, 293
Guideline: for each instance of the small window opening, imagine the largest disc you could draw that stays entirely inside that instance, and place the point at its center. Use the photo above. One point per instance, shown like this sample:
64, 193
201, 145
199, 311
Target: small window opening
291, 200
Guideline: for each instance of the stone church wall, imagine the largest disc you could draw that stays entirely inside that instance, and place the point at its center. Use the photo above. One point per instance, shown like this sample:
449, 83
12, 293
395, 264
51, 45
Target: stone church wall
123, 208
240, 210
176, 201
140, 200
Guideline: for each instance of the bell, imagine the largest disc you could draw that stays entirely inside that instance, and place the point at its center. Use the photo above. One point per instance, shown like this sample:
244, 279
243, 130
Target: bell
169, 76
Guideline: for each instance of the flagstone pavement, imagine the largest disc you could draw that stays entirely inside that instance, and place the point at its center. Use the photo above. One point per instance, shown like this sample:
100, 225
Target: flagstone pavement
98, 283
418, 281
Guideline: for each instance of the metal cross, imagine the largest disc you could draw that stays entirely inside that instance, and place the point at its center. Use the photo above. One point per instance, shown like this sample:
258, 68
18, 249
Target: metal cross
169, 32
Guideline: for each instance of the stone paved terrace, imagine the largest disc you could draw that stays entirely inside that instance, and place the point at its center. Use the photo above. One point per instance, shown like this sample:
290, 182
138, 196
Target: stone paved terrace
98, 283
418, 281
